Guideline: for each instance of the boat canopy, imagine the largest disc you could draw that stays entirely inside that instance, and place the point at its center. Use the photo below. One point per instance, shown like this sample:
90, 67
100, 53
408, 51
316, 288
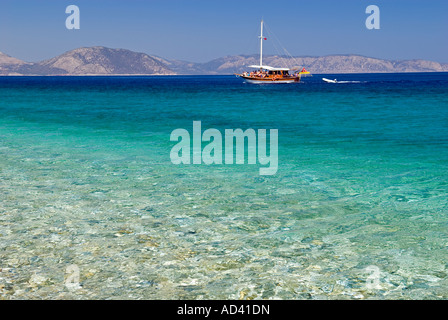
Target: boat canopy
269, 68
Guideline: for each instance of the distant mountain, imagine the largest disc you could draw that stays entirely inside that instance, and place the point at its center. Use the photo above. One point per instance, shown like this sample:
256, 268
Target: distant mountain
106, 61
96, 61
101, 60
326, 64
10, 65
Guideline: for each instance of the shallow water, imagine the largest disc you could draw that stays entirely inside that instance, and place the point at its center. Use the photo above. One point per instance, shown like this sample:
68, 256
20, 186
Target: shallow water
357, 210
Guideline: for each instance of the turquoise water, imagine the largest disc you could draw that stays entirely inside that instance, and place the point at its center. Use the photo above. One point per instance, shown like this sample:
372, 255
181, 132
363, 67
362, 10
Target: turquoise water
86, 180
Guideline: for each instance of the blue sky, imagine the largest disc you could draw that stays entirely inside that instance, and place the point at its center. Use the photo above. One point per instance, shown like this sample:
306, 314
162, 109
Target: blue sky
201, 30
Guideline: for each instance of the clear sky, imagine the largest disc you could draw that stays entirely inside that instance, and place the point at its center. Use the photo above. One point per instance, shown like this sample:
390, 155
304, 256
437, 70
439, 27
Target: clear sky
201, 30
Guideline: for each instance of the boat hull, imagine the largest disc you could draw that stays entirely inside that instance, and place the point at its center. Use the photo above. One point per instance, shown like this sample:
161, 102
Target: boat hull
257, 80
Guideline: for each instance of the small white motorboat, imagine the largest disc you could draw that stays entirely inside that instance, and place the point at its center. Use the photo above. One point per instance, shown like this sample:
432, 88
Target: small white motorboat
330, 81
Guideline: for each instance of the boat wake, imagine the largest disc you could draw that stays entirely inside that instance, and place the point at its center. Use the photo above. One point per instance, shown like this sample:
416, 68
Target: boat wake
336, 81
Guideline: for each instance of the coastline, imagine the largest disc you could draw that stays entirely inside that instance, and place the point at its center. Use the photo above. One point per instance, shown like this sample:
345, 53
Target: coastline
94, 61
204, 75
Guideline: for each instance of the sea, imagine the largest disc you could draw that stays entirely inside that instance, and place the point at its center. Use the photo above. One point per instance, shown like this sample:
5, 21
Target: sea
92, 207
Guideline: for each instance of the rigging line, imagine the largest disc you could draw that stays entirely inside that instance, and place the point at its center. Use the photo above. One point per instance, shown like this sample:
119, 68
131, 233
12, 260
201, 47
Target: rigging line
295, 60
284, 49
279, 54
286, 62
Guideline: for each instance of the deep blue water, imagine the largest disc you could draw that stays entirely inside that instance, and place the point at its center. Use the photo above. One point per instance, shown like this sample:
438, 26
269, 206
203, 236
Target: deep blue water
362, 181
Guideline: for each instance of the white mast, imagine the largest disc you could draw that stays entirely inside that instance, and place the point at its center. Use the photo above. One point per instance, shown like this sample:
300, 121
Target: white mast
261, 45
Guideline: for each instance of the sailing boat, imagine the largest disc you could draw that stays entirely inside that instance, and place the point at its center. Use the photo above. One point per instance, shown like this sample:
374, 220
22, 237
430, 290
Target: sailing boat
267, 74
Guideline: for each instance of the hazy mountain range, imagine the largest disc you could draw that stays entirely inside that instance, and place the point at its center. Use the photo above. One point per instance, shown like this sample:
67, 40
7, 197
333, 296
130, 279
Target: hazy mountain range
106, 61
